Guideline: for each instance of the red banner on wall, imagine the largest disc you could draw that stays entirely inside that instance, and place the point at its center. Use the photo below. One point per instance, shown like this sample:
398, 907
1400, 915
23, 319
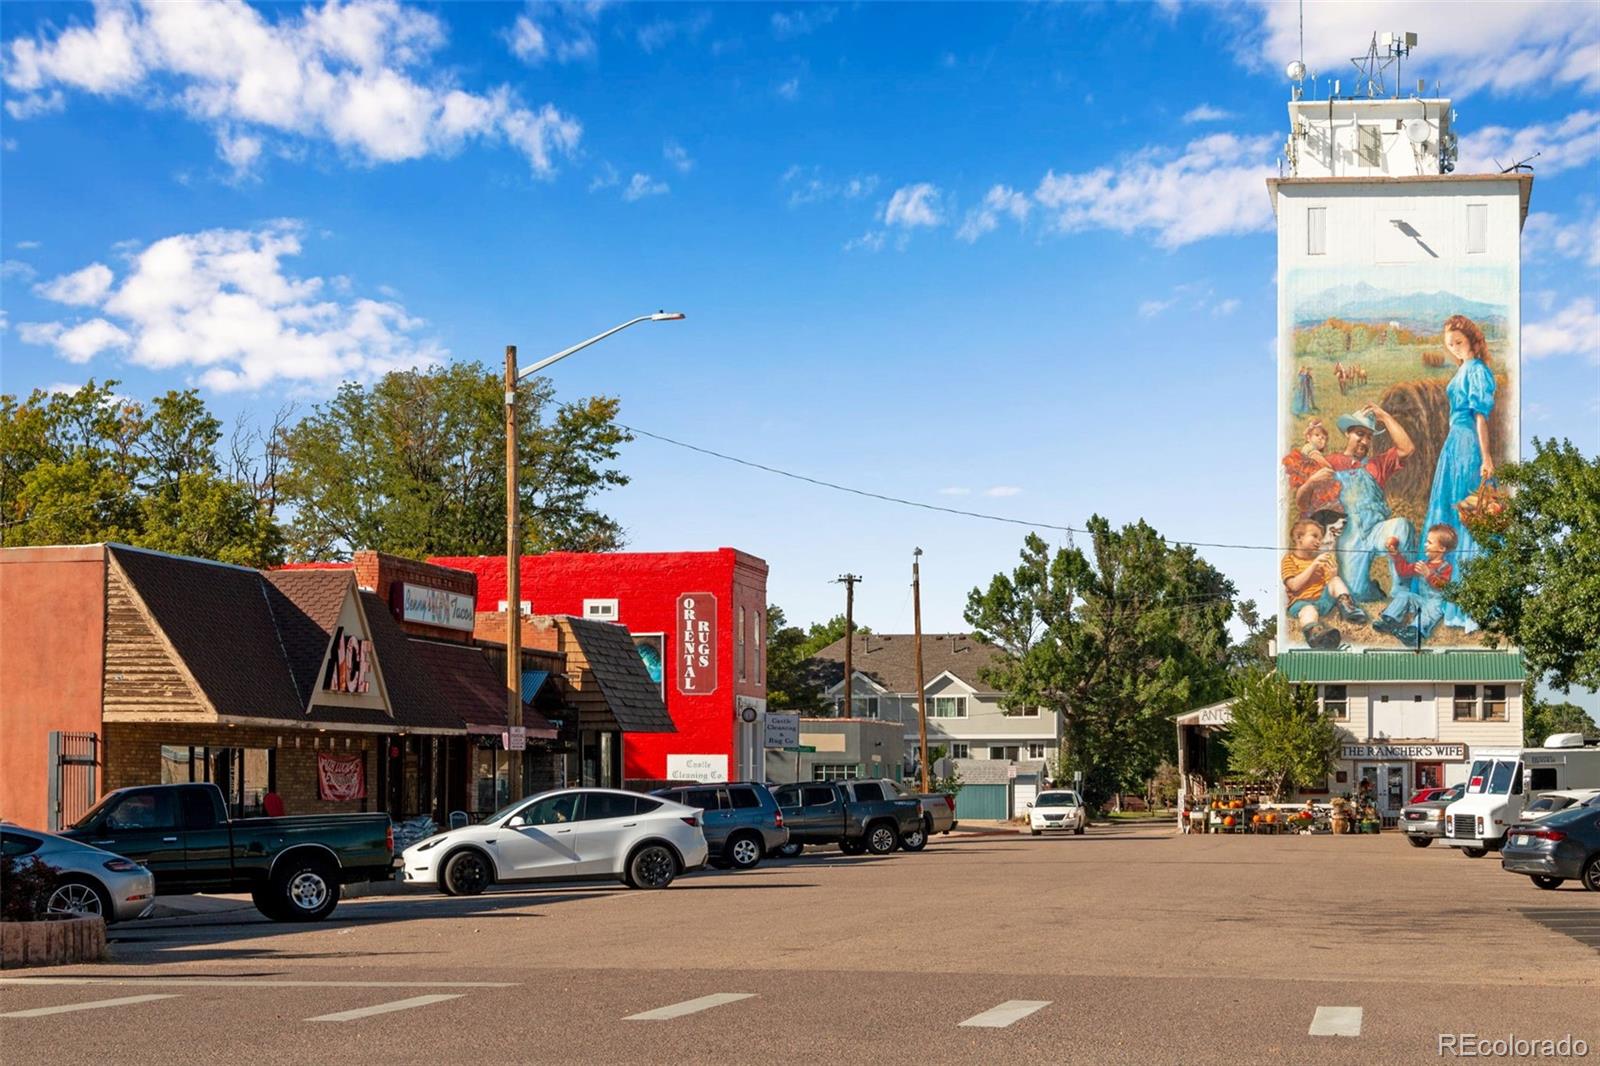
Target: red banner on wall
697, 643
341, 777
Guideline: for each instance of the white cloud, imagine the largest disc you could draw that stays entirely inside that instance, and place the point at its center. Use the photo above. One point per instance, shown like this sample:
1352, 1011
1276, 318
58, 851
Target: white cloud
1545, 235
606, 178
789, 90
26, 246
563, 31
998, 491
358, 75
17, 270
656, 35
1215, 187
1001, 199
643, 185
914, 205
870, 241
36, 104
809, 185
955, 490
83, 288
527, 40
674, 153
1152, 308
790, 24
1225, 307
220, 302
1572, 142
1206, 113
1503, 47
1573, 330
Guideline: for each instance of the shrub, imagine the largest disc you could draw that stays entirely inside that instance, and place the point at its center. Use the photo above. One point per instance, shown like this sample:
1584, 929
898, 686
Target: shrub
25, 889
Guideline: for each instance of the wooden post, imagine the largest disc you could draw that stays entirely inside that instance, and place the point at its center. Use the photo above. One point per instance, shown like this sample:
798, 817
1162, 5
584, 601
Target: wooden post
513, 579
922, 695
849, 582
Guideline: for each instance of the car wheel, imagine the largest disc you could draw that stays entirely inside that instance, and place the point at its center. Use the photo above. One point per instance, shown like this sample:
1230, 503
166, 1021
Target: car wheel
1474, 853
1078, 832
266, 901
652, 866
743, 852
1591, 874
306, 891
1418, 841
917, 839
789, 851
466, 874
81, 898
1035, 832
1546, 881
881, 838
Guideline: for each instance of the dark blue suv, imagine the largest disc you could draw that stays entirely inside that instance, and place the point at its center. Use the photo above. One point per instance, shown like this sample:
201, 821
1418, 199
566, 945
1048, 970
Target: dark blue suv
741, 820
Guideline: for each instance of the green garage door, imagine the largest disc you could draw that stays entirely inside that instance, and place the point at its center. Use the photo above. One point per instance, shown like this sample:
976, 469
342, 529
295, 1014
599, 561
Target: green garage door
982, 803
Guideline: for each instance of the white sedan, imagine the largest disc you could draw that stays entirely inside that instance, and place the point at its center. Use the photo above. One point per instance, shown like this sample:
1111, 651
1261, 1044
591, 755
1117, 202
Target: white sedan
580, 834
1057, 810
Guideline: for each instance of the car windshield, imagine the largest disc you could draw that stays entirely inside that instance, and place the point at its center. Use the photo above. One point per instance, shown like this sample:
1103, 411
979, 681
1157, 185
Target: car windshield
94, 812
1057, 799
1479, 777
506, 811
1500, 777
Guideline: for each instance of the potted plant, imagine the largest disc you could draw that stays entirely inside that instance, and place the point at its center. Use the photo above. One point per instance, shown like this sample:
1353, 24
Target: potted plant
1340, 819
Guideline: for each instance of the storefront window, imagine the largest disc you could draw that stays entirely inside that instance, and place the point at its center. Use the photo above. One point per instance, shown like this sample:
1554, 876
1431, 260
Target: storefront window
491, 785
245, 775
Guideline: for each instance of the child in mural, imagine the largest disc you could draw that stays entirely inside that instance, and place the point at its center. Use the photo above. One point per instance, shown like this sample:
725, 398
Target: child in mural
1464, 460
1308, 463
1424, 579
1315, 590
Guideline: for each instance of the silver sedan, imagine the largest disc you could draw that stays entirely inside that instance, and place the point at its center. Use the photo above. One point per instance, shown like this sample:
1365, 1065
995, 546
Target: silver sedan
91, 882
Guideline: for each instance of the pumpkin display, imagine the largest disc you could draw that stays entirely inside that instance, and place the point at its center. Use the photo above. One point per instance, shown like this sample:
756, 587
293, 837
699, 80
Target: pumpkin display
1229, 821
1255, 819
1272, 819
1238, 805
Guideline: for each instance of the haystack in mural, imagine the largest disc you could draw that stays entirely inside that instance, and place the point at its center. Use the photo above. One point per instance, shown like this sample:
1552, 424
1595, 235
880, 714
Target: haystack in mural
1399, 404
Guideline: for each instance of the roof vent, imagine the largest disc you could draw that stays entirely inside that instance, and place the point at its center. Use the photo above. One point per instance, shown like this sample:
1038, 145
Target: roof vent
1564, 740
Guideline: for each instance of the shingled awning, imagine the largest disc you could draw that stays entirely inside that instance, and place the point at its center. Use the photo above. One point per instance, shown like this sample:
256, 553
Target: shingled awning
613, 661
467, 687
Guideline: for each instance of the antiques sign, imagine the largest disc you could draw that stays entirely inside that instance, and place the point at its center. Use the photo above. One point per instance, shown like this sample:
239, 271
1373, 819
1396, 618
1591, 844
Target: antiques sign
1415, 752
436, 607
697, 644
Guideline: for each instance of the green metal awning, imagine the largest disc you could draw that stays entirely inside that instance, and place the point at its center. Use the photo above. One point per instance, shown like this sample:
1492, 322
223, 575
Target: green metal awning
1463, 666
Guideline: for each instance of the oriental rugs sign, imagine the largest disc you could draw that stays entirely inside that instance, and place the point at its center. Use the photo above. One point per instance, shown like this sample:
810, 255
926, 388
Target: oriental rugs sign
436, 607
1407, 752
697, 644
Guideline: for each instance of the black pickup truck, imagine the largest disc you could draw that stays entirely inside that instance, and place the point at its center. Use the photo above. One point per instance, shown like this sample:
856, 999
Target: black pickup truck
852, 814
292, 867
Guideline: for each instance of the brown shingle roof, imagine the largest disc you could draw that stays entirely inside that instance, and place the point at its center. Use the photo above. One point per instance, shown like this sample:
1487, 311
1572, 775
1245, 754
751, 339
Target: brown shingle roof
890, 659
475, 694
306, 604
634, 699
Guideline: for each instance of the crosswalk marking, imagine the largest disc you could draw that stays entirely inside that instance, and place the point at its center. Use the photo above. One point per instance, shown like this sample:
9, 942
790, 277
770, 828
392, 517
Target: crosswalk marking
1012, 1010
67, 1008
1336, 1021
382, 1008
690, 1006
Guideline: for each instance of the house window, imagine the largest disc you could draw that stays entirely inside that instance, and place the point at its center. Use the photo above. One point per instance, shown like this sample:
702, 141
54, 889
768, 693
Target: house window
860, 706
761, 645
960, 751
739, 645
947, 707
1336, 702
1316, 231
600, 610
835, 771
1466, 703
1027, 712
999, 751
1477, 228
1035, 751
1494, 703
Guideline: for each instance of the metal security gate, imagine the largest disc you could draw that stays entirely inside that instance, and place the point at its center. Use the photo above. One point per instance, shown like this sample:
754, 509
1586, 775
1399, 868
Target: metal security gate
74, 760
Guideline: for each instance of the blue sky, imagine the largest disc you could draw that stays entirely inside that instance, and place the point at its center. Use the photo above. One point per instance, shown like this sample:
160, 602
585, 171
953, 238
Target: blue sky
1016, 259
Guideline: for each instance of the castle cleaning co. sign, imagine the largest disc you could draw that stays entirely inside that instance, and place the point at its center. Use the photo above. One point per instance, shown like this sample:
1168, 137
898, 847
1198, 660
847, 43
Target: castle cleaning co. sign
697, 644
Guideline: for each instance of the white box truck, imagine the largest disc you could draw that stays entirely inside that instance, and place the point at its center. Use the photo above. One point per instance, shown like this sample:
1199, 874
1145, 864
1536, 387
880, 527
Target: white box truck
1504, 780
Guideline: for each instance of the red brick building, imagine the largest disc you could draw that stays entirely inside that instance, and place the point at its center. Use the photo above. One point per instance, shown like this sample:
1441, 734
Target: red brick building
699, 620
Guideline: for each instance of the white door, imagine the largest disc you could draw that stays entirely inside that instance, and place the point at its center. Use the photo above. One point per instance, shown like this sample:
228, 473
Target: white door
1404, 712
607, 824
546, 845
1025, 795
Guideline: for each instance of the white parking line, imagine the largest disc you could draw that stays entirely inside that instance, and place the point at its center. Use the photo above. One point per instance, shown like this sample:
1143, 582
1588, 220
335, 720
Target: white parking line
1007, 1013
382, 1008
68, 1008
690, 1006
245, 982
1336, 1021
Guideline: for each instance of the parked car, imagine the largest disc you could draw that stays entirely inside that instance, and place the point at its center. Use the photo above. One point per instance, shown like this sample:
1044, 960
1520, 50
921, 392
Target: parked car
856, 815
1428, 794
1561, 847
574, 834
1057, 810
938, 813
92, 882
292, 867
1503, 781
741, 820
1551, 802
1423, 820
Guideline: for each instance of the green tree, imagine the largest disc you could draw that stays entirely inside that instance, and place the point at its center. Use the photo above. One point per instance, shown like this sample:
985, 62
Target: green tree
820, 634
1117, 640
793, 683
1536, 581
1279, 736
415, 464
1254, 649
1541, 719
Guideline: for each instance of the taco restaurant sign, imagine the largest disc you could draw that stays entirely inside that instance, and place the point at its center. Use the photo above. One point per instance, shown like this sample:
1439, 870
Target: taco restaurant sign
436, 607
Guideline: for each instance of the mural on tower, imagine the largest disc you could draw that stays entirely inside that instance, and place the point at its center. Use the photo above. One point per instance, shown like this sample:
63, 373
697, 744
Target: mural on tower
1398, 400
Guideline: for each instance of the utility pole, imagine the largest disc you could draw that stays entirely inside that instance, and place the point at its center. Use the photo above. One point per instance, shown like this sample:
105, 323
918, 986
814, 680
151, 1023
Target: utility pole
513, 579
922, 695
849, 583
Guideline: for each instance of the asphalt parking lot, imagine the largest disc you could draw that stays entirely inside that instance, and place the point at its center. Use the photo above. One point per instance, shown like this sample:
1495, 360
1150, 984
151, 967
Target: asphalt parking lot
1125, 945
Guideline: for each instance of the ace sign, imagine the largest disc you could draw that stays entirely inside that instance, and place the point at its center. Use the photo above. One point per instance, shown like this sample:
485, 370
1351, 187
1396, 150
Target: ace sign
697, 644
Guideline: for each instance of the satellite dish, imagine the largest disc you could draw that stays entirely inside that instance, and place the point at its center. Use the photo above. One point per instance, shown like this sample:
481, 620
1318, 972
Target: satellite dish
1296, 70
1418, 131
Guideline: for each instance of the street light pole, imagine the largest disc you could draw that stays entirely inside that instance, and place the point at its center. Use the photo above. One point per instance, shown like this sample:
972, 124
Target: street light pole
513, 524
922, 694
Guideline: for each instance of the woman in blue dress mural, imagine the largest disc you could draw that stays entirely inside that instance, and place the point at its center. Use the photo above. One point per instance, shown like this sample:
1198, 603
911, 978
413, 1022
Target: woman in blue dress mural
1465, 461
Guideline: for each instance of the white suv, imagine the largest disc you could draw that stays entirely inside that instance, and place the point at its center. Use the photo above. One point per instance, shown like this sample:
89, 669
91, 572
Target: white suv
1057, 809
